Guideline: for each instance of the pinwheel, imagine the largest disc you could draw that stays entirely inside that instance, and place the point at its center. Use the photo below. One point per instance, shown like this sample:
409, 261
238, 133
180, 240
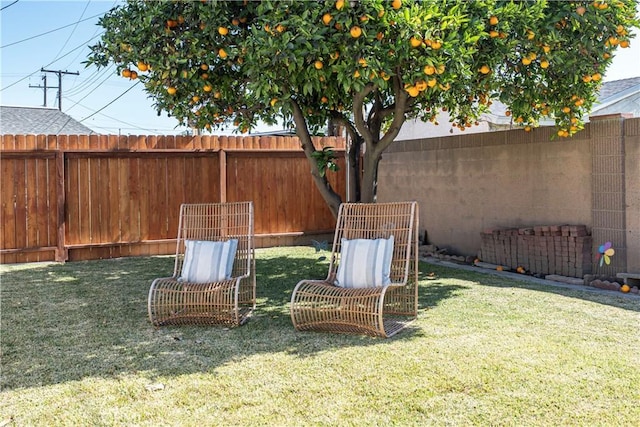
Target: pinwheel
605, 252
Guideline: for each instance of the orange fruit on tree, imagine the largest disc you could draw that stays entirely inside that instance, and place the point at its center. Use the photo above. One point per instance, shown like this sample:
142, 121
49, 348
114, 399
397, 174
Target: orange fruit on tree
195, 99
222, 53
485, 69
415, 42
493, 34
134, 75
142, 66
429, 70
413, 91
223, 31
355, 31
581, 10
326, 18
207, 88
204, 67
273, 101
624, 44
318, 64
339, 4
126, 73
171, 90
217, 95
526, 61
435, 45
324, 99
544, 64
432, 82
493, 20
596, 77
396, 4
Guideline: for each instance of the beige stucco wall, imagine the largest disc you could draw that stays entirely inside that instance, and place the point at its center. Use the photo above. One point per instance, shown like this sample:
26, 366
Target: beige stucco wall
469, 183
632, 193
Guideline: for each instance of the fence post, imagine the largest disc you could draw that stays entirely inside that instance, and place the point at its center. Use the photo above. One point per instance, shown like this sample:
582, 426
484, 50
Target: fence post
61, 250
223, 175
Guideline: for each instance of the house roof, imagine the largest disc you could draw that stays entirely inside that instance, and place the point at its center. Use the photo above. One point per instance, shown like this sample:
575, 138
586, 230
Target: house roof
39, 121
618, 96
616, 87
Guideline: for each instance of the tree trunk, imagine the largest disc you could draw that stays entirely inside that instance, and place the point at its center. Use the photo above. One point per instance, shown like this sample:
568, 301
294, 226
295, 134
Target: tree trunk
353, 169
369, 177
329, 195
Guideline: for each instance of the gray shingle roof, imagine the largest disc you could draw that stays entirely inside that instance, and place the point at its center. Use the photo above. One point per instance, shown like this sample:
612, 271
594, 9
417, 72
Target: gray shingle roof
609, 89
39, 121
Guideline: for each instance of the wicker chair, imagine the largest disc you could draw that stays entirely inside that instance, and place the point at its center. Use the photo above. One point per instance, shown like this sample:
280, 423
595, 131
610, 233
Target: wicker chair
382, 310
227, 300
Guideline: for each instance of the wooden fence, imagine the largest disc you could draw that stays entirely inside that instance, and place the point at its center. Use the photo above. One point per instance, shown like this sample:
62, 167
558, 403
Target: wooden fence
87, 197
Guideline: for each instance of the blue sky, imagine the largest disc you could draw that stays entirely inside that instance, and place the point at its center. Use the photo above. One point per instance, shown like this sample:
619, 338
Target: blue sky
97, 97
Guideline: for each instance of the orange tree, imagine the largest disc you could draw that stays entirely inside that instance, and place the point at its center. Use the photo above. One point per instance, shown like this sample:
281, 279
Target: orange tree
367, 65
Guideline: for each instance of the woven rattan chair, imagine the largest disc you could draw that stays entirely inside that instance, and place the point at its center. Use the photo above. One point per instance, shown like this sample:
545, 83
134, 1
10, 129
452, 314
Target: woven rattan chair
228, 300
383, 310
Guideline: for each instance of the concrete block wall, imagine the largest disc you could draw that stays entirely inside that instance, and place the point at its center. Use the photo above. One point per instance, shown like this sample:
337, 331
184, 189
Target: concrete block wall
512, 179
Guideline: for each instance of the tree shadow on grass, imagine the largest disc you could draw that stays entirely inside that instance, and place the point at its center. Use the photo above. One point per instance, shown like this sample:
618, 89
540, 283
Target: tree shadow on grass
66, 322
504, 279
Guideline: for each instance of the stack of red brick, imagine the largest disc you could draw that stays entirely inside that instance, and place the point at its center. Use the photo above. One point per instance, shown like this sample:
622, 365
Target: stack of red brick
556, 249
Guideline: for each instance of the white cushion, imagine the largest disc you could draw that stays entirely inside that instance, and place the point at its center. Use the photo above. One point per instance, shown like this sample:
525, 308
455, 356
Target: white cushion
365, 263
206, 261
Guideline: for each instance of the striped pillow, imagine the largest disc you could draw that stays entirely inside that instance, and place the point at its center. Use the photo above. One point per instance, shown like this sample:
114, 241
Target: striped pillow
365, 263
206, 261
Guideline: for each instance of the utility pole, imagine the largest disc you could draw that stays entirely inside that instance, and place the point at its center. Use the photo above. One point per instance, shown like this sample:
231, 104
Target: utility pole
45, 87
59, 73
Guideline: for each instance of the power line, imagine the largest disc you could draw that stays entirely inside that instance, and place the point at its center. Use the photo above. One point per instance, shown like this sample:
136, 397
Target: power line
91, 91
10, 5
51, 31
29, 75
72, 31
90, 81
114, 100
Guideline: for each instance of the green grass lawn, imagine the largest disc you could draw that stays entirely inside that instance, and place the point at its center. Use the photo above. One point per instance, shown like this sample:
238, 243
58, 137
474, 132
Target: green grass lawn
78, 349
